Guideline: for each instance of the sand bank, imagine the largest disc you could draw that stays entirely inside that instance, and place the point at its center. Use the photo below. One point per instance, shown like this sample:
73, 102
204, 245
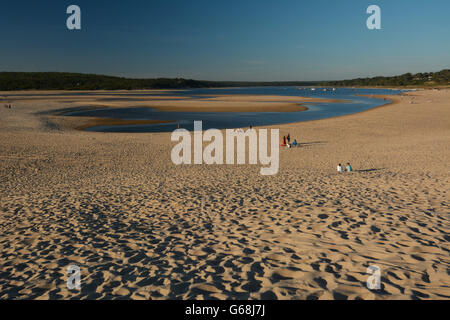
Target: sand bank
203, 103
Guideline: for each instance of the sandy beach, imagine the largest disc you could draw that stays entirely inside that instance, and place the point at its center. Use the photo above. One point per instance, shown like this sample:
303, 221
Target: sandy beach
140, 227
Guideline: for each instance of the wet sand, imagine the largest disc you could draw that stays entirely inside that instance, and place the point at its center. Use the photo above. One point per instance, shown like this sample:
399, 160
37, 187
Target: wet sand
140, 227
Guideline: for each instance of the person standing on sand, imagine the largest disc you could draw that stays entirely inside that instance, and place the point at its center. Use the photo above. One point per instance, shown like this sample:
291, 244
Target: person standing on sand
339, 168
349, 167
288, 138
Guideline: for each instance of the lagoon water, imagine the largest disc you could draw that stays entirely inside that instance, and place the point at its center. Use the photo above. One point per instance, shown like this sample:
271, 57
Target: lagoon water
224, 120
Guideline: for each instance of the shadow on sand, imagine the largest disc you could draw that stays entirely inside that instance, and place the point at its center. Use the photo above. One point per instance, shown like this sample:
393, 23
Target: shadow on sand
305, 144
370, 170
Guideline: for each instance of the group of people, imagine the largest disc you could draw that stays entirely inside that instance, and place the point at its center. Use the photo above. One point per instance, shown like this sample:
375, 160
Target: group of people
348, 168
7, 106
286, 142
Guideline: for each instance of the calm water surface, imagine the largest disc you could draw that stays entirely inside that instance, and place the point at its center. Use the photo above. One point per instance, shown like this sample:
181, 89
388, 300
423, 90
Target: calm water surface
223, 120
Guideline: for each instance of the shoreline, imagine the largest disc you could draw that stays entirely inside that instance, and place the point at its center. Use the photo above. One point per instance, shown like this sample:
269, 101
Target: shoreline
141, 91
298, 107
203, 103
92, 122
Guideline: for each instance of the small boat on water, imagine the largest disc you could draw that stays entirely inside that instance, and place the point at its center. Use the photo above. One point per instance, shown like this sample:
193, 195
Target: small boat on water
313, 89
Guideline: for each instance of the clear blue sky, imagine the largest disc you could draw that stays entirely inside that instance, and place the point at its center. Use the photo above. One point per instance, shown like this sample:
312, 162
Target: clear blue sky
226, 40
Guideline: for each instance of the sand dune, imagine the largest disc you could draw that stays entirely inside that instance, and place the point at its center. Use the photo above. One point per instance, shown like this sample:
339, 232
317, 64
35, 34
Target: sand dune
140, 227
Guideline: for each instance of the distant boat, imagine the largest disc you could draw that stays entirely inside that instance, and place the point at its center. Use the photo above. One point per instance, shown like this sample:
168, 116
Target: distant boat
324, 89
334, 89
313, 89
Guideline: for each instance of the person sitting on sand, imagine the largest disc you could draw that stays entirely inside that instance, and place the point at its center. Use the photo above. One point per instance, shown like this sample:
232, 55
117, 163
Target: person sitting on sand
294, 144
349, 167
339, 168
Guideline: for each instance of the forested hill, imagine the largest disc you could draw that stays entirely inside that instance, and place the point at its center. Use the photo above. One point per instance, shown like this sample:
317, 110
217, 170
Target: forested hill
76, 81
441, 78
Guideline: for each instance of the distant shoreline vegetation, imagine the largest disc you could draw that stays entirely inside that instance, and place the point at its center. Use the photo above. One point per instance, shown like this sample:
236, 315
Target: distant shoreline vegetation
428, 79
77, 81
10, 81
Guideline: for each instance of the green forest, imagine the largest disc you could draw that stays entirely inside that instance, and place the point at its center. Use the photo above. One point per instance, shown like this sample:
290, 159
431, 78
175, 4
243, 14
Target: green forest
77, 81
441, 78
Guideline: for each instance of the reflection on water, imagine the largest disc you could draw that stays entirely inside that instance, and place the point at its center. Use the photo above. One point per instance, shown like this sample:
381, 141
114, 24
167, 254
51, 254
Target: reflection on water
222, 120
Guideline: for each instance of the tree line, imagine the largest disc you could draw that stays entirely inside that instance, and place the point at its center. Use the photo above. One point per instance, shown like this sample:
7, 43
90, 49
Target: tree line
77, 81
441, 78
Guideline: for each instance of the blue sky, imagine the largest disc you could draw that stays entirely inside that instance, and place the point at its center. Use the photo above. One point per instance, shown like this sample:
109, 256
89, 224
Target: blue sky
226, 40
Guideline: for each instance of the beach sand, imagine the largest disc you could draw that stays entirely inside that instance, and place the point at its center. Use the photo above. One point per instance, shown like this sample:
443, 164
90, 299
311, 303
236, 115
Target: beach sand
140, 227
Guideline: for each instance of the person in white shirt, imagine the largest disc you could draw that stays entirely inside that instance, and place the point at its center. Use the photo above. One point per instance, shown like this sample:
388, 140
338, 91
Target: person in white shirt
339, 168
